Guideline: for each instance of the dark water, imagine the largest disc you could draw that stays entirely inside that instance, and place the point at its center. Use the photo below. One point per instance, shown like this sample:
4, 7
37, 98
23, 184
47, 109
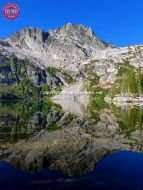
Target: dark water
96, 149
121, 170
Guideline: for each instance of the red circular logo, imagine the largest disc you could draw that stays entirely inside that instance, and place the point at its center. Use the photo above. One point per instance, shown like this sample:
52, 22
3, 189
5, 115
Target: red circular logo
11, 11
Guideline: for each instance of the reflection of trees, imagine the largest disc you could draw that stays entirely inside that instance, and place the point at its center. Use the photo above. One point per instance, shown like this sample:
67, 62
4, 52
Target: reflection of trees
130, 119
15, 116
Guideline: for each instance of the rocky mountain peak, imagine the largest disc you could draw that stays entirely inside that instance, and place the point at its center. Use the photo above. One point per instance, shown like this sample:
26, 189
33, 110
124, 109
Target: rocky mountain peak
72, 29
67, 54
79, 34
29, 38
66, 37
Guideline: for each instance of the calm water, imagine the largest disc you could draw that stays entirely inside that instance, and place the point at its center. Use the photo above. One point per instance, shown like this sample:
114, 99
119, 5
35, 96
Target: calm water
43, 146
122, 170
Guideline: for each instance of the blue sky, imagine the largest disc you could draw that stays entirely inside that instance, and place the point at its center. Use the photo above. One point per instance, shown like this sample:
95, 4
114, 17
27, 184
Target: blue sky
117, 21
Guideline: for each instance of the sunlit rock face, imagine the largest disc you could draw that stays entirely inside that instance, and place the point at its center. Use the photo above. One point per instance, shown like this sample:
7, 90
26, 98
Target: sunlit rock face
30, 38
32, 51
70, 42
74, 51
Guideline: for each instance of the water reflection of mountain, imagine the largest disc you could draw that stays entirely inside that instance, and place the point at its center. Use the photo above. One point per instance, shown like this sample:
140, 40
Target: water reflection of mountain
43, 135
21, 119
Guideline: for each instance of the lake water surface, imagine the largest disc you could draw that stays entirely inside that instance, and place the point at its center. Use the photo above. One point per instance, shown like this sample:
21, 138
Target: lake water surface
43, 146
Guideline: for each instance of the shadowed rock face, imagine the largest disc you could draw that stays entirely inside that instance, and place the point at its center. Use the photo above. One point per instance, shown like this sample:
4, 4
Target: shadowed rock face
14, 70
75, 148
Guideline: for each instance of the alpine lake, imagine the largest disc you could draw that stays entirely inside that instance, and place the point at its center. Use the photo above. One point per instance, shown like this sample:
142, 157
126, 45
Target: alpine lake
67, 145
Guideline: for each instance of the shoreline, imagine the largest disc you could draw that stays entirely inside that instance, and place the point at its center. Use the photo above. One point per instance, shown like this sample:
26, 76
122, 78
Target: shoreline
125, 99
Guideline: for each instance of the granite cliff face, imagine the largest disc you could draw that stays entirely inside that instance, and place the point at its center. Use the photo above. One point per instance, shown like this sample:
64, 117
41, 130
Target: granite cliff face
63, 56
70, 42
31, 52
